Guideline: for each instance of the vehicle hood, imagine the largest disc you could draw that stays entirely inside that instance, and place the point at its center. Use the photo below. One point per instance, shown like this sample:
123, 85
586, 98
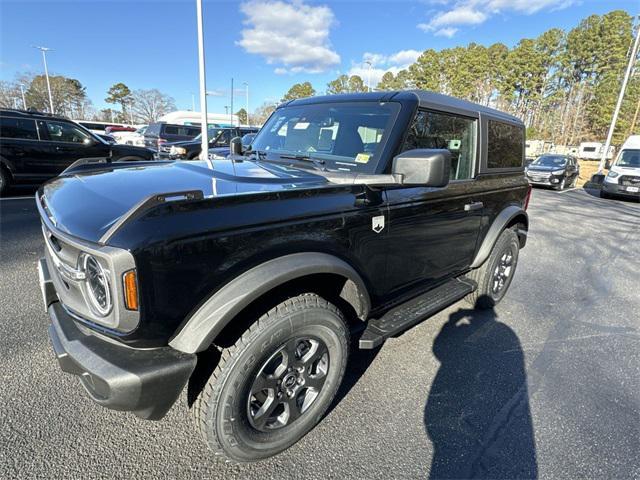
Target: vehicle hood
542, 168
121, 149
633, 171
86, 204
183, 143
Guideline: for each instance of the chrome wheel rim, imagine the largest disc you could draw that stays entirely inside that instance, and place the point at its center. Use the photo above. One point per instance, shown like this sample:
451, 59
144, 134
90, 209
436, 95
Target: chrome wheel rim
502, 272
288, 383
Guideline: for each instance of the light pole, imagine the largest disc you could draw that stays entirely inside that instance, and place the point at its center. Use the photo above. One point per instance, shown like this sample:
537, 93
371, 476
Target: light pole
46, 72
204, 127
24, 102
369, 75
246, 91
616, 111
232, 92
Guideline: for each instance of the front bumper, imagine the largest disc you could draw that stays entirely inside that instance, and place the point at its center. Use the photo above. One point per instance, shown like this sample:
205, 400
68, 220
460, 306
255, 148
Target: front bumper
616, 189
146, 382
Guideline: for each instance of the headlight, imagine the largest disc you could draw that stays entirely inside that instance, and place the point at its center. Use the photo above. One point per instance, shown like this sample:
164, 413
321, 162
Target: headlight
613, 174
558, 172
96, 286
178, 151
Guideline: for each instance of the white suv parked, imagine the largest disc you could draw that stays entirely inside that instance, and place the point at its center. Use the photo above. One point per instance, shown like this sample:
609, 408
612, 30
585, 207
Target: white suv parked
624, 175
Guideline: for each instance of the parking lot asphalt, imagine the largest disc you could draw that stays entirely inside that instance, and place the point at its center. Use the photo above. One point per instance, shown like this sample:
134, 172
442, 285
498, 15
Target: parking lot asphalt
547, 385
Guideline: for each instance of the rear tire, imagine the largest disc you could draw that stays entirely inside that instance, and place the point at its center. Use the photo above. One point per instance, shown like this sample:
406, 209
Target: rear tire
5, 180
495, 275
276, 382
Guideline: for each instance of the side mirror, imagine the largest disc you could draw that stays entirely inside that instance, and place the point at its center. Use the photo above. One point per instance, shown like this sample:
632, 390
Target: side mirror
426, 167
236, 146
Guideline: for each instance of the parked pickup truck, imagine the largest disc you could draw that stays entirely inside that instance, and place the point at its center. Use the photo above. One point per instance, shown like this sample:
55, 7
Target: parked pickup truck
351, 217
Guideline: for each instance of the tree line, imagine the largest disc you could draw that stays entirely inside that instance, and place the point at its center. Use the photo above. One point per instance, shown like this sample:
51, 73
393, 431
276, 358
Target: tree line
562, 84
70, 99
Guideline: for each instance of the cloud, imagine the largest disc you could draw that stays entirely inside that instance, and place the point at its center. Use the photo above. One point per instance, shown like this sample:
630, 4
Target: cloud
292, 35
474, 12
381, 64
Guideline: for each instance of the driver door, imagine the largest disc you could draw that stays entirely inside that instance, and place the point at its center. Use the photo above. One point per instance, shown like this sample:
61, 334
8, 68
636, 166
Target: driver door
433, 232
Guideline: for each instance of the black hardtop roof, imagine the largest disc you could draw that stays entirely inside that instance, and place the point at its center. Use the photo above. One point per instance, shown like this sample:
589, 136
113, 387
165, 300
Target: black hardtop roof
15, 112
425, 99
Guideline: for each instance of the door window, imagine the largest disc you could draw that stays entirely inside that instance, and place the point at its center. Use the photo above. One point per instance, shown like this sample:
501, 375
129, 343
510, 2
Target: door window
65, 132
18, 128
444, 131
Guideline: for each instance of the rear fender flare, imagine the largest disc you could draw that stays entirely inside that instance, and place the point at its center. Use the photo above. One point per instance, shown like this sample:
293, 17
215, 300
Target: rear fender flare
201, 329
504, 218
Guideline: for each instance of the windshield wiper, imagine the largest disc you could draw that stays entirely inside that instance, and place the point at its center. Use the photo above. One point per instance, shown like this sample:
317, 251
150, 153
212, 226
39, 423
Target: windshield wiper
318, 162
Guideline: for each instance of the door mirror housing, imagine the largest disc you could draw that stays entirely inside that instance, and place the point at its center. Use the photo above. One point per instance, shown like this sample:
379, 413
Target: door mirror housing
236, 146
425, 167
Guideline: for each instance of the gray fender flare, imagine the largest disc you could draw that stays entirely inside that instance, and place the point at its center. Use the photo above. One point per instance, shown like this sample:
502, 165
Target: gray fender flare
499, 223
199, 331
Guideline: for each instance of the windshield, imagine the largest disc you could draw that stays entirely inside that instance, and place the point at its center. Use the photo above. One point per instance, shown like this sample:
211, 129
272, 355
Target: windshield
551, 161
344, 136
629, 158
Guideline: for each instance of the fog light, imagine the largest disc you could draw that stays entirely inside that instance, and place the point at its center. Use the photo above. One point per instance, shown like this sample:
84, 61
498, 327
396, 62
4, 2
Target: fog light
130, 283
554, 180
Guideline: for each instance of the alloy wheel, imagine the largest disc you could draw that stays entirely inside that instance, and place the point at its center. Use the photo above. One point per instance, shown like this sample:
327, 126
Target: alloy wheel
502, 272
288, 383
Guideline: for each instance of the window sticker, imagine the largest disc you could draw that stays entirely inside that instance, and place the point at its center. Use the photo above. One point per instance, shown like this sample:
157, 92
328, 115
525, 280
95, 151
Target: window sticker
301, 126
363, 158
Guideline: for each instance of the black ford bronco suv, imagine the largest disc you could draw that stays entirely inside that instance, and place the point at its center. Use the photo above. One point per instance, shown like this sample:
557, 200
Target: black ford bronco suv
350, 219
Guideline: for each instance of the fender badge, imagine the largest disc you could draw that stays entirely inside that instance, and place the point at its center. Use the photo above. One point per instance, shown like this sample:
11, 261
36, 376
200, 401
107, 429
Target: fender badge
377, 223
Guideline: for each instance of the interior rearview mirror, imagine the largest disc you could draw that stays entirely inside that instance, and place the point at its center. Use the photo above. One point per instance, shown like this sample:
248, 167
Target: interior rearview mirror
236, 146
426, 167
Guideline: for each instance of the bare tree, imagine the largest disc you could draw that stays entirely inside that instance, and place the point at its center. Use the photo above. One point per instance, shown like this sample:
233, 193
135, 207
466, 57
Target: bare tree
149, 105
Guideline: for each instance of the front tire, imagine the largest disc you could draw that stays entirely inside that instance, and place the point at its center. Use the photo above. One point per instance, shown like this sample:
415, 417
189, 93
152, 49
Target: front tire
276, 382
495, 275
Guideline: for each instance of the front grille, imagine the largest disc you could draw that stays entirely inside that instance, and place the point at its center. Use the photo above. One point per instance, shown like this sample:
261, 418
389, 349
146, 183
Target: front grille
629, 181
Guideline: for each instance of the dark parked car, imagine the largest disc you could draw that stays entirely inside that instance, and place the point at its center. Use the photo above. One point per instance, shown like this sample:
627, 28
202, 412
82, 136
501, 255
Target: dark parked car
35, 147
218, 153
157, 134
189, 150
552, 170
351, 216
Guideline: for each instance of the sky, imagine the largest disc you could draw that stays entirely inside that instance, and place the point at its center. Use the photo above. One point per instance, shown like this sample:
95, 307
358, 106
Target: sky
267, 44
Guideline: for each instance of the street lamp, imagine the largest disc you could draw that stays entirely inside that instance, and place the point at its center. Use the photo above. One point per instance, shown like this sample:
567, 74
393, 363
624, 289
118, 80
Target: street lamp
46, 72
204, 126
246, 91
369, 75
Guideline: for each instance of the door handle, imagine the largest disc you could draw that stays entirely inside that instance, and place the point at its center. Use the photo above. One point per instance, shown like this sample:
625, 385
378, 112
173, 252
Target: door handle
469, 207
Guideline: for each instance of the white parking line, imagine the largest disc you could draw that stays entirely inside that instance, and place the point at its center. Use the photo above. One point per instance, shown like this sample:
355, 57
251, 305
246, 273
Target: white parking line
567, 190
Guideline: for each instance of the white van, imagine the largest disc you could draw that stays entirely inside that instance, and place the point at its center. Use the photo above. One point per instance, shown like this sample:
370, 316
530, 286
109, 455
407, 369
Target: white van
624, 175
593, 151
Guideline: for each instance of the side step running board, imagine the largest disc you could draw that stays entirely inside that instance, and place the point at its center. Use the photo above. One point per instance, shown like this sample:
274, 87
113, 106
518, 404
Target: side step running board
414, 311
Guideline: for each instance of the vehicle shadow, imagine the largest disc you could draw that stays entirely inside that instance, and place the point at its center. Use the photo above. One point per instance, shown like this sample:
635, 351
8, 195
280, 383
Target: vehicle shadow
477, 414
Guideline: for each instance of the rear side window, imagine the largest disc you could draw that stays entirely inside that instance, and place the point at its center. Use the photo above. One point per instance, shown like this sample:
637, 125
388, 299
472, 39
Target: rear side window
18, 128
505, 145
181, 130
